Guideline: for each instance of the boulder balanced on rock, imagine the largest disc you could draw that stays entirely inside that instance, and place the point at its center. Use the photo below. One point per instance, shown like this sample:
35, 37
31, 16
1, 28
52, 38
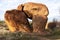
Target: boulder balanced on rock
31, 9
38, 13
17, 19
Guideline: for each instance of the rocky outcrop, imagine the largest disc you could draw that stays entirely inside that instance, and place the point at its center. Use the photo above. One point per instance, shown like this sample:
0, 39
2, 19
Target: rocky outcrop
17, 21
39, 23
38, 13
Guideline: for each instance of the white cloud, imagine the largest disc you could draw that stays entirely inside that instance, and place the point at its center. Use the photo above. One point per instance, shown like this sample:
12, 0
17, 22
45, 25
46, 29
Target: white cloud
53, 5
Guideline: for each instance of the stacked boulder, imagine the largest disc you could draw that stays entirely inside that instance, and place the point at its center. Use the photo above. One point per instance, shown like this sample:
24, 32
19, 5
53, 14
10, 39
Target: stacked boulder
16, 19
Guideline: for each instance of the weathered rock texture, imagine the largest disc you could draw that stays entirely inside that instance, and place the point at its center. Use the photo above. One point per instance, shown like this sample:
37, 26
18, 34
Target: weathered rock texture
17, 21
38, 13
33, 9
39, 23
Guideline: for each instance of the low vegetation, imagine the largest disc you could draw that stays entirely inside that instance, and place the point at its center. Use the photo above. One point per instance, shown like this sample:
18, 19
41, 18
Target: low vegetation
5, 34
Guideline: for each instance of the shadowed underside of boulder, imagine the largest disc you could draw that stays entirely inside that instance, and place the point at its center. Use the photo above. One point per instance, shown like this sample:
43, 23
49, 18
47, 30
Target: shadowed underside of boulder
39, 23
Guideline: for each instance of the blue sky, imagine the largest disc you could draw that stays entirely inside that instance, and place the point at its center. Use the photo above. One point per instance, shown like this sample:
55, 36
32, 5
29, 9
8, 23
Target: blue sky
53, 6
